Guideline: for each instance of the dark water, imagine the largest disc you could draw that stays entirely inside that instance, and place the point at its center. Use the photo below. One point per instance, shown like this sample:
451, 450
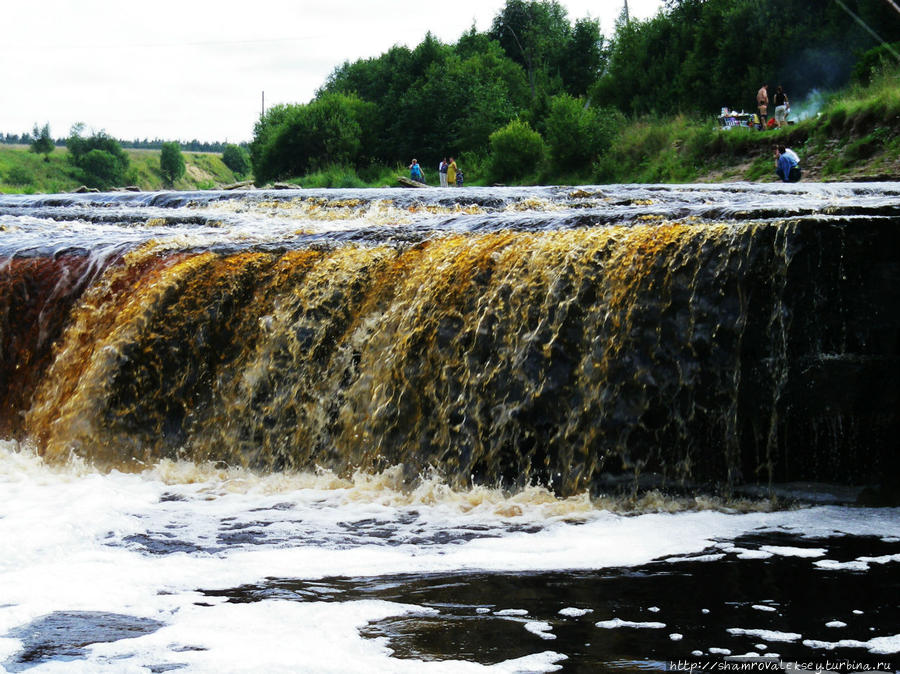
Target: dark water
699, 600
311, 392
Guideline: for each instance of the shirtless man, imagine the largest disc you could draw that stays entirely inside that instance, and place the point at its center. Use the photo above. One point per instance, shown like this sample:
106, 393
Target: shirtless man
762, 102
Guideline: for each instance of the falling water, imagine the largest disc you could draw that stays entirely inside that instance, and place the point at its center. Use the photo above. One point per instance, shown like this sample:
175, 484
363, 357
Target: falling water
530, 359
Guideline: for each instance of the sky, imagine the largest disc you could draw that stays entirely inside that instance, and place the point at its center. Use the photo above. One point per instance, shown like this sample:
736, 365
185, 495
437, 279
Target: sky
192, 69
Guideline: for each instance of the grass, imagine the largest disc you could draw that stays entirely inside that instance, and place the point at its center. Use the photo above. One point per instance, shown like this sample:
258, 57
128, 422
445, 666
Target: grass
22, 171
856, 135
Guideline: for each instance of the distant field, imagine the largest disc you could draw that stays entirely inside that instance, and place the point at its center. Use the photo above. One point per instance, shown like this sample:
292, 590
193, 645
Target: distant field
22, 171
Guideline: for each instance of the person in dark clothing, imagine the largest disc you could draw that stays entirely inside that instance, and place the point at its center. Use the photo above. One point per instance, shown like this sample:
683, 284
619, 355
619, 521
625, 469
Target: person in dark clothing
782, 106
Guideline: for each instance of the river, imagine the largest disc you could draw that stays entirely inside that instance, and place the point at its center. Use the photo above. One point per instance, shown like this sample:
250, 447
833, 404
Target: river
597, 428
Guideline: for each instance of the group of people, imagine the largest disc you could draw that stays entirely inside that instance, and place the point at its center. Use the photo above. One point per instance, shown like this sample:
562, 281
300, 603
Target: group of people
448, 171
787, 163
782, 106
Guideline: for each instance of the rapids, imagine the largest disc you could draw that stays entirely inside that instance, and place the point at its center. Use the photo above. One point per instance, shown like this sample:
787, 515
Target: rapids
599, 428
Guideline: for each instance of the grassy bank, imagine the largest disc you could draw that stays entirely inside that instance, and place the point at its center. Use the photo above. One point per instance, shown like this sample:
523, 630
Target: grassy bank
22, 171
855, 135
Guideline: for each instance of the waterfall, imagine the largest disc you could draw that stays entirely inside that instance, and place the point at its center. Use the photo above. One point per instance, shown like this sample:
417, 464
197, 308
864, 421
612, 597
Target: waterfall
580, 339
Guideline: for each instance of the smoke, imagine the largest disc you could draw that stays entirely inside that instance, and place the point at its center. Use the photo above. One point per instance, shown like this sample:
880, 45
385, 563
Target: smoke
809, 106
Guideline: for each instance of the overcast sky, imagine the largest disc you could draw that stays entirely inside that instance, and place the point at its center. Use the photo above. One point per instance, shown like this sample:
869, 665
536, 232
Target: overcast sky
185, 69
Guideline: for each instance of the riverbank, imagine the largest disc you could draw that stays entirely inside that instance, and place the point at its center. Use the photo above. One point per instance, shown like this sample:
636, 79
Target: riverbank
853, 136
25, 172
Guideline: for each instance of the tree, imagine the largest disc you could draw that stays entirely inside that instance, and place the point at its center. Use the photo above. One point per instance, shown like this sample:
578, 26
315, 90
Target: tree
536, 35
293, 140
237, 159
171, 162
41, 142
102, 161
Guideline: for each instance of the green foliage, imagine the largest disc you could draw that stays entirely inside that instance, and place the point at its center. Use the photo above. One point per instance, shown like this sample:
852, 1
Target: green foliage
705, 54
100, 158
537, 35
19, 175
517, 151
438, 100
60, 174
875, 61
237, 159
171, 162
334, 176
101, 169
577, 133
42, 143
297, 139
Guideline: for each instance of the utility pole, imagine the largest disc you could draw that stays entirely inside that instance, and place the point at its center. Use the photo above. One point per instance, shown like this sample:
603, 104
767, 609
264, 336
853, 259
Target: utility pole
627, 20
263, 111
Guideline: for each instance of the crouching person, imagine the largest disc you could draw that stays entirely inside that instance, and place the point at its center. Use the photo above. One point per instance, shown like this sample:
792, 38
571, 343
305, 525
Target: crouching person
787, 164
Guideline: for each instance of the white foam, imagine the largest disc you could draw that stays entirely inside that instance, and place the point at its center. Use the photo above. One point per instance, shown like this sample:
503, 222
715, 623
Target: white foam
675, 636
720, 651
787, 551
836, 624
616, 623
834, 565
542, 629
745, 553
763, 607
878, 645
81, 542
511, 612
883, 559
765, 635
714, 557
653, 609
571, 612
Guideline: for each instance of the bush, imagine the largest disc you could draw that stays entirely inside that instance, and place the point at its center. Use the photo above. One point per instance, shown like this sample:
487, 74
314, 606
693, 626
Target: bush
576, 133
237, 159
19, 175
101, 169
335, 176
517, 151
171, 162
876, 60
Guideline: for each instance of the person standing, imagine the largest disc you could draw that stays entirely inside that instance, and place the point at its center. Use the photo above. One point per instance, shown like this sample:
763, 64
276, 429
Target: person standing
442, 170
782, 106
415, 172
451, 172
787, 164
762, 104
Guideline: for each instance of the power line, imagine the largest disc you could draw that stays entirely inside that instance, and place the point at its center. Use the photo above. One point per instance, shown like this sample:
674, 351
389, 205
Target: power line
151, 45
869, 30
